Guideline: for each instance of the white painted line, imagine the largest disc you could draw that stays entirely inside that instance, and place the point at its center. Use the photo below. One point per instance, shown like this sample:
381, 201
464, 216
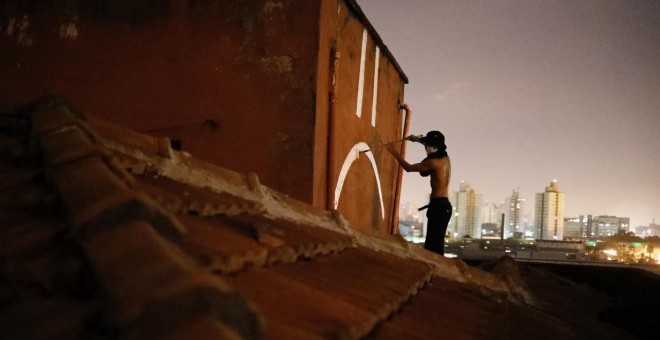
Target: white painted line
353, 155
375, 97
363, 57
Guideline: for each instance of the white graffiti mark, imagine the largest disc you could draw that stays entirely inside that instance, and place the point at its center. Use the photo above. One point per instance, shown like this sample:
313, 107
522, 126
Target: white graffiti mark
375, 96
18, 29
276, 64
359, 148
270, 6
69, 30
363, 57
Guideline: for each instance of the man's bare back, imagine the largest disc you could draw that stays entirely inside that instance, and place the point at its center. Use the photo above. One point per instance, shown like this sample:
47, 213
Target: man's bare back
439, 169
440, 176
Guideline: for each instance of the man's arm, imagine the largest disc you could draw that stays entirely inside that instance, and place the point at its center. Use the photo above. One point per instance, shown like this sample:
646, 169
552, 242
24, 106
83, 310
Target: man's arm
418, 167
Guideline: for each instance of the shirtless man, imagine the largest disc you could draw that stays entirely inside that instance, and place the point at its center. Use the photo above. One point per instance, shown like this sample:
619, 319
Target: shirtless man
437, 165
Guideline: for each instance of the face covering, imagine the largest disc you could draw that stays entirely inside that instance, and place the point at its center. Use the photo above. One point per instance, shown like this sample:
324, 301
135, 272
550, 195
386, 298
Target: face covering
431, 150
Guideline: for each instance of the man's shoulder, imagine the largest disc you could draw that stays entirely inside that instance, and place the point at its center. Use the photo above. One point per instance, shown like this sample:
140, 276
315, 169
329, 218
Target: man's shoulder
436, 160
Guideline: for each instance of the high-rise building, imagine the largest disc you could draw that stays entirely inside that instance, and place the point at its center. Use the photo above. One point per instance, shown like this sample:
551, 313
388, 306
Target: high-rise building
466, 219
490, 212
513, 215
595, 227
549, 217
576, 228
603, 226
624, 224
528, 227
490, 230
652, 229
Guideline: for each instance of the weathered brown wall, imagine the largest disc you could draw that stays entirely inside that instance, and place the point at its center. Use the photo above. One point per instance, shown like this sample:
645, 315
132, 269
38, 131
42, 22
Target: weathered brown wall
149, 65
342, 31
263, 70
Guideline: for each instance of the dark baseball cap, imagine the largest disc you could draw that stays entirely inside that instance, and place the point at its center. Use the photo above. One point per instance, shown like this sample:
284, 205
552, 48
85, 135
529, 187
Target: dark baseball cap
433, 138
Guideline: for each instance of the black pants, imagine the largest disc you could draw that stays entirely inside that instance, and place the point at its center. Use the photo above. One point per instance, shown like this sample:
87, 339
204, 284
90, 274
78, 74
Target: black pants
438, 214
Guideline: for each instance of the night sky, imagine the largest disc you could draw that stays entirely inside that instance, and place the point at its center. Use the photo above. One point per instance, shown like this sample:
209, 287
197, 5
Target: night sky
530, 91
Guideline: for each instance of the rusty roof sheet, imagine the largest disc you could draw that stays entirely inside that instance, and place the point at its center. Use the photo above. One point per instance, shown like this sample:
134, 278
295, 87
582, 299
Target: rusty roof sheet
109, 233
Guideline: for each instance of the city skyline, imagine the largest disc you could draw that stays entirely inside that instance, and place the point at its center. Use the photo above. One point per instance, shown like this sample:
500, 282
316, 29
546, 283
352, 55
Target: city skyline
525, 225
523, 217
527, 92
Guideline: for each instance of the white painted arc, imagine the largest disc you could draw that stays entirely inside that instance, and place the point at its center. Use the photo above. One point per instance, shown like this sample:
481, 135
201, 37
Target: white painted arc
352, 155
375, 96
360, 91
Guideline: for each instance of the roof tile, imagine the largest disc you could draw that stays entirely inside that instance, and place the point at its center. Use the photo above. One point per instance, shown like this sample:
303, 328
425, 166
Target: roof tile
292, 307
152, 280
27, 198
344, 295
113, 132
21, 234
189, 199
176, 305
14, 176
221, 246
92, 191
66, 145
87, 188
11, 148
305, 240
55, 265
37, 316
128, 259
447, 307
52, 118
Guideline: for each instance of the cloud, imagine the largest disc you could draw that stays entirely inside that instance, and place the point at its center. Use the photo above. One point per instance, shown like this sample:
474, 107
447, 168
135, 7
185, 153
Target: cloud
450, 90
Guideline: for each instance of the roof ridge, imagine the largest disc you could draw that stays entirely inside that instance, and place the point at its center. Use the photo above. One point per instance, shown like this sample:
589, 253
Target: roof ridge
184, 168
